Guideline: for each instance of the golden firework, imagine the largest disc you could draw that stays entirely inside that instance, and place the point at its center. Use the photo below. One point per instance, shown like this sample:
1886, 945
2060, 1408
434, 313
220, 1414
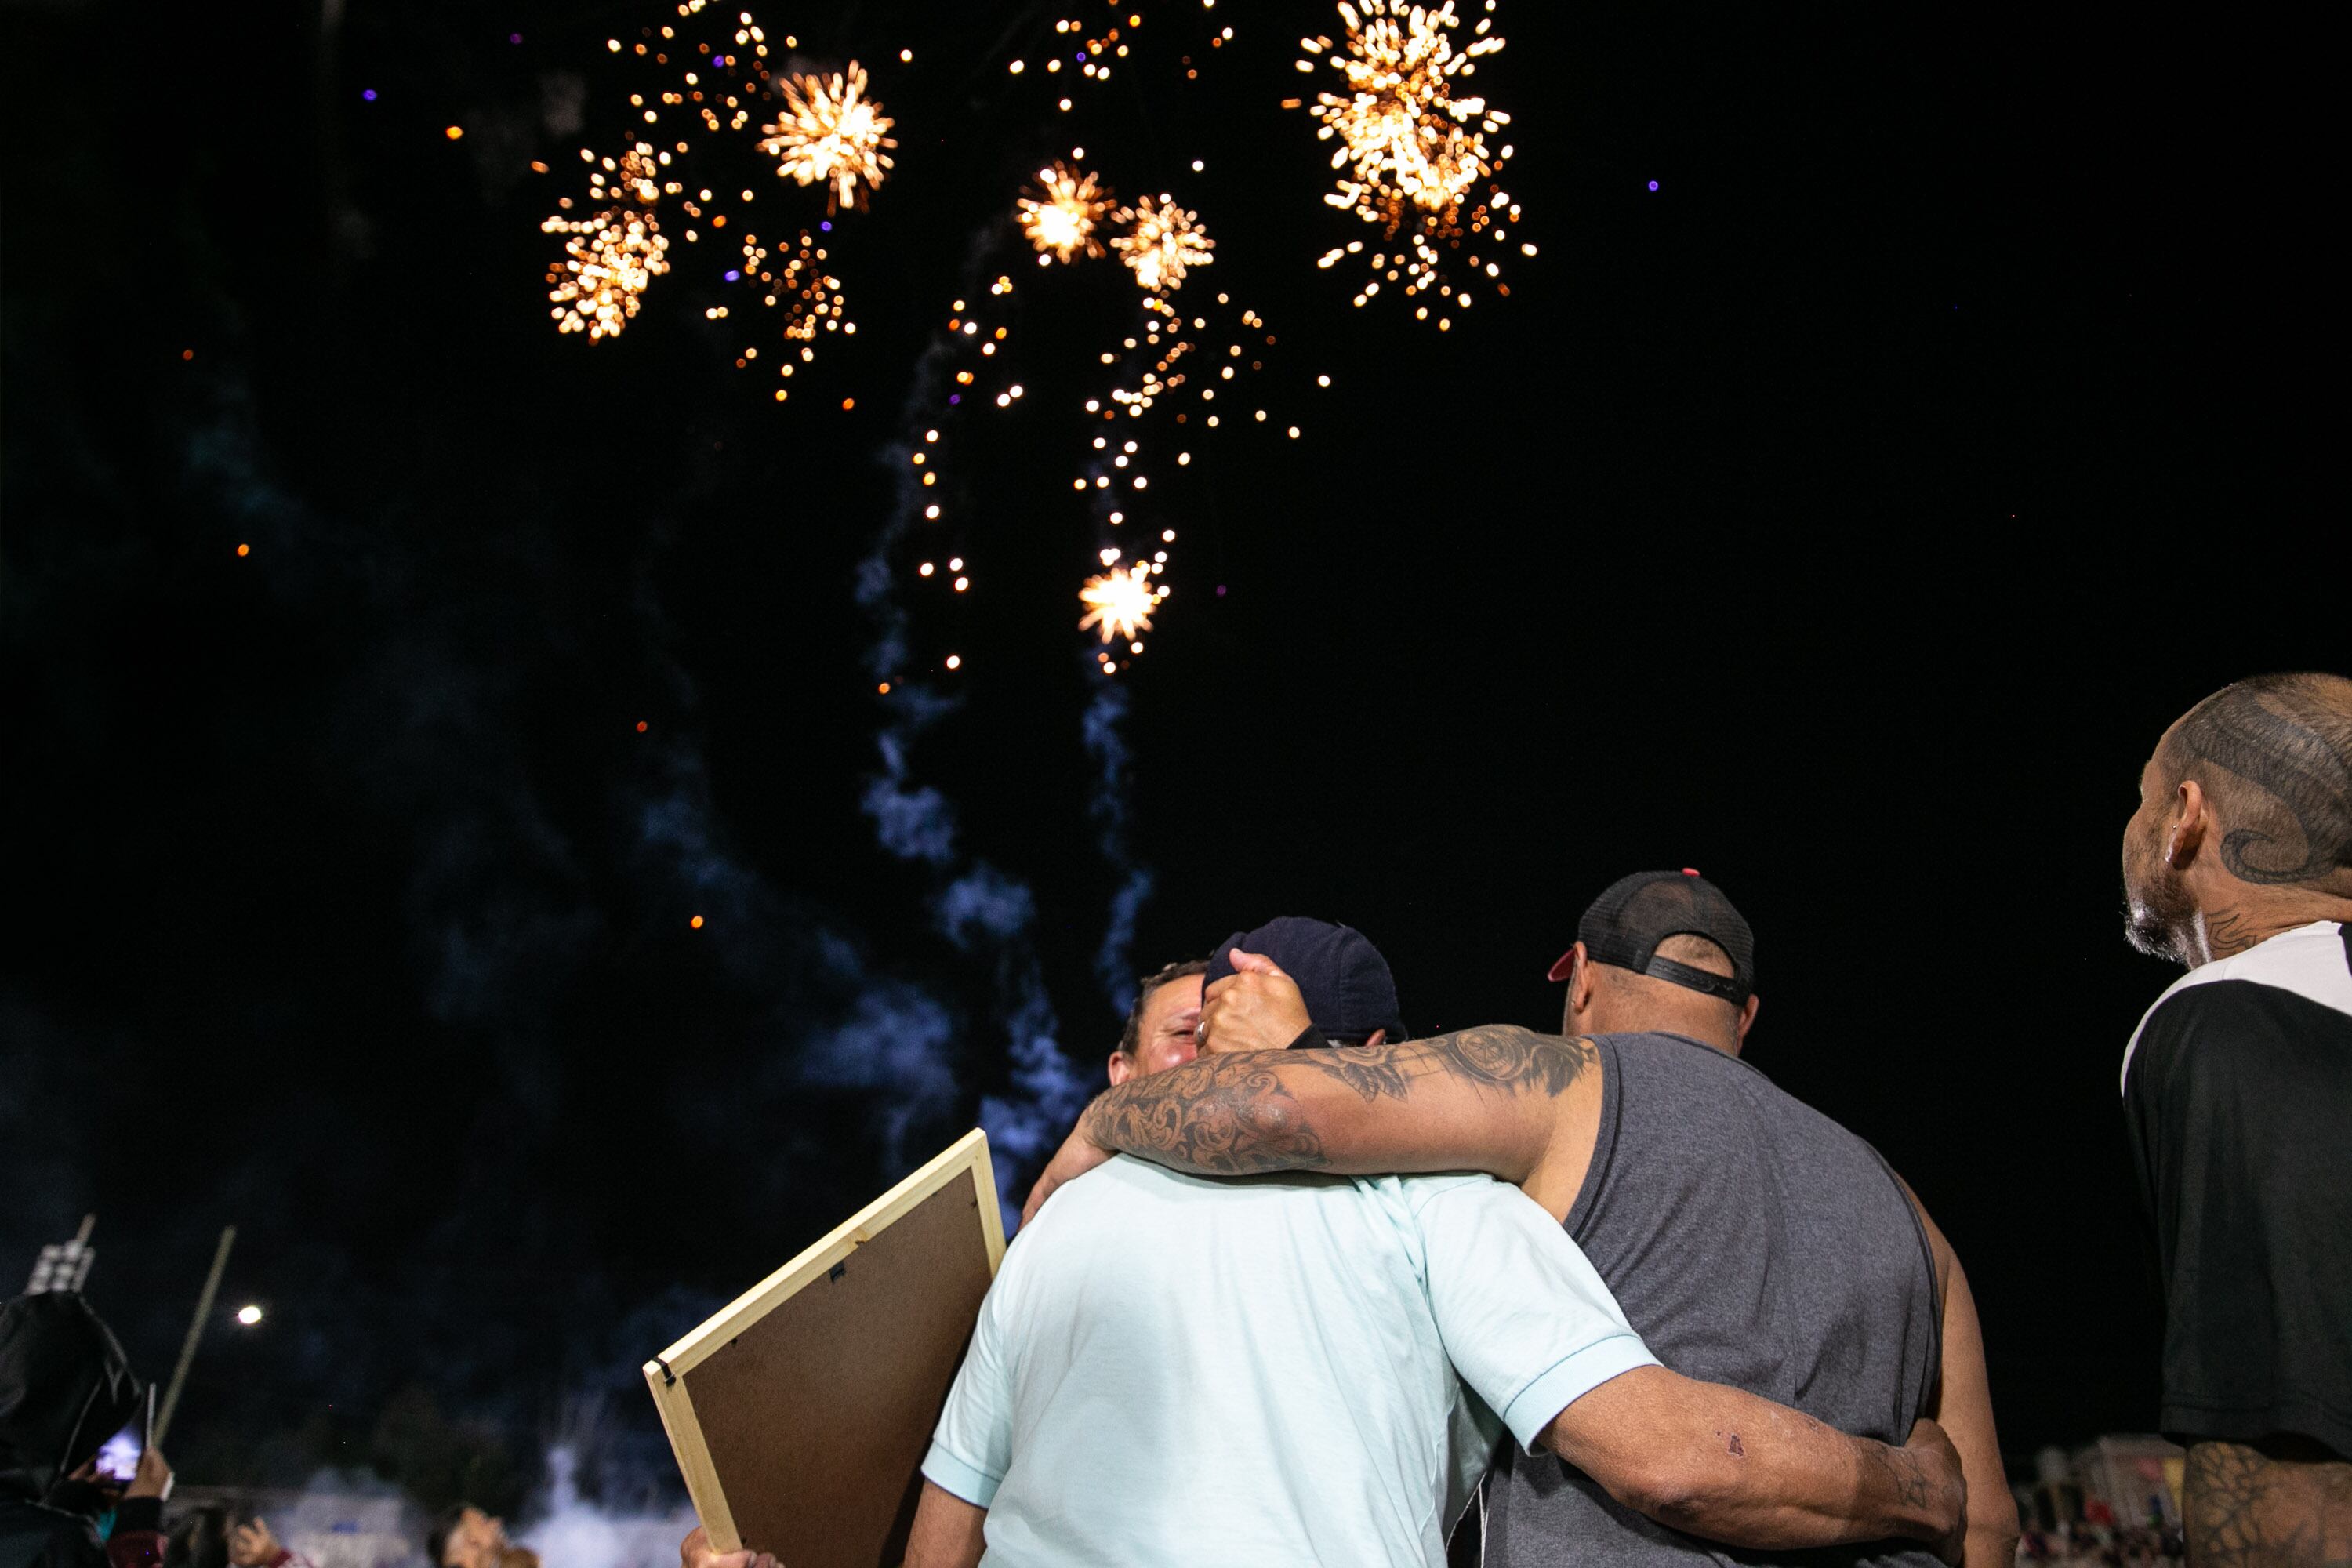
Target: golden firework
1412, 150
636, 177
832, 134
1120, 603
1407, 135
608, 260
1061, 213
1162, 243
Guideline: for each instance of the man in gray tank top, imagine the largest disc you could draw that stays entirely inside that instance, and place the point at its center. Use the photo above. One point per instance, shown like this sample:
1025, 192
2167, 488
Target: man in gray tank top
1751, 1239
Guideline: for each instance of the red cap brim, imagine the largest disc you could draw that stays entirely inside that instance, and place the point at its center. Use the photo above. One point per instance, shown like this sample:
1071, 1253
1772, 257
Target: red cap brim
1559, 971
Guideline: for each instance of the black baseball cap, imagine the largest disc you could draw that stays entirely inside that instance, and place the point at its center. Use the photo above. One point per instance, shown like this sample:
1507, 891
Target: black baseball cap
1342, 977
1625, 925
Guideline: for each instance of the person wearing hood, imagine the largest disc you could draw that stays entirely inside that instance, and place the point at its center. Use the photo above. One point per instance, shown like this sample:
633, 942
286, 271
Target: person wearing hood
65, 1388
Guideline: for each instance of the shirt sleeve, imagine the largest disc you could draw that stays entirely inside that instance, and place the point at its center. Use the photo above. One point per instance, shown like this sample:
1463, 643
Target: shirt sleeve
2233, 1103
1525, 1318
973, 1444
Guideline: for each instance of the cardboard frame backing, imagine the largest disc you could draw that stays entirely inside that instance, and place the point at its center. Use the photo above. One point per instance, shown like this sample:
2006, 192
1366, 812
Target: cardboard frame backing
806, 1411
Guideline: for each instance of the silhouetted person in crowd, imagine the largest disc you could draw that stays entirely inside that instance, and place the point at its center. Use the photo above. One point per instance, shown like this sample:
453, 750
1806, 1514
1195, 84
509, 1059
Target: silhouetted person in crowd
467, 1537
2237, 1094
65, 1389
199, 1541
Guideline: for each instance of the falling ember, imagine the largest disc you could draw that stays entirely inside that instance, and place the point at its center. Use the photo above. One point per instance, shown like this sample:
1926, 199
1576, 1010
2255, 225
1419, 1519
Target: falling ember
636, 177
798, 285
245, 550
1119, 603
696, 922
608, 260
1164, 242
1061, 213
832, 134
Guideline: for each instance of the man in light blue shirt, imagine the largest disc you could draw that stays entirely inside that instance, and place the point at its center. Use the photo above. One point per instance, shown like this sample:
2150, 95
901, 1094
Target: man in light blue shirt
1176, 1370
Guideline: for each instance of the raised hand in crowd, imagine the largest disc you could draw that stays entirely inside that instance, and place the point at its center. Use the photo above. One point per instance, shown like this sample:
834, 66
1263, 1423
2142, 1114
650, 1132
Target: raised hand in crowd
152, 1477
252, 1544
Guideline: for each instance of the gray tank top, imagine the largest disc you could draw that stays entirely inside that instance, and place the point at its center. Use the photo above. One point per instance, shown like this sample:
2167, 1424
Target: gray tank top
1752, 1241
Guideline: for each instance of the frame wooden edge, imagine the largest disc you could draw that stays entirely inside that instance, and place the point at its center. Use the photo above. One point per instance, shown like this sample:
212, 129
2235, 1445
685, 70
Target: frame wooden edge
967, 1157
967, 1152
685, 1433
992, 1212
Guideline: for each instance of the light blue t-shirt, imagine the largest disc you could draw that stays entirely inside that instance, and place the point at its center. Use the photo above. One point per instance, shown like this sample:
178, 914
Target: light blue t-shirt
1176, 1370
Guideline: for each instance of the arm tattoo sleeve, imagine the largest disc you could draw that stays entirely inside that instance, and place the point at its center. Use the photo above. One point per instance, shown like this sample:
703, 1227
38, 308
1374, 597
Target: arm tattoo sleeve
1235, 1115
2245, 1508
1231, 1117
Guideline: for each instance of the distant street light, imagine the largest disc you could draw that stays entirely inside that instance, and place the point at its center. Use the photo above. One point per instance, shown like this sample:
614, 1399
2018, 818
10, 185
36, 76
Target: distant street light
249, 1316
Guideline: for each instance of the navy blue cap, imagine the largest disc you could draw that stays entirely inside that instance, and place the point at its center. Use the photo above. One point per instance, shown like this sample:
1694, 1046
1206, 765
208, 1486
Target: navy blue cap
1344, 980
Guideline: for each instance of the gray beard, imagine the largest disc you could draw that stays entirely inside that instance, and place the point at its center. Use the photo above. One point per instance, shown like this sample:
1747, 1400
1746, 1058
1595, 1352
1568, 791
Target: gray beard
2157, 920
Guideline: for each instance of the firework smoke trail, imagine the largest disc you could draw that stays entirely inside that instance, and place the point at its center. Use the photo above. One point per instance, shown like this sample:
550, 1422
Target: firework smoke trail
981, 909
1114, 957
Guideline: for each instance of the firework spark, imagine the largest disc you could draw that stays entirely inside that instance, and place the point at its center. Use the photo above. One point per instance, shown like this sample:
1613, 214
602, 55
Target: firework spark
1412, 150
832, 134
797, 284
1062, 212
1162, 244
608, 260
1120, 603
636, 177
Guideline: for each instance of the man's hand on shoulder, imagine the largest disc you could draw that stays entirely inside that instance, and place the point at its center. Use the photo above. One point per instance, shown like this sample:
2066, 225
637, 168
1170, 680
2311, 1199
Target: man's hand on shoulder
695, 1552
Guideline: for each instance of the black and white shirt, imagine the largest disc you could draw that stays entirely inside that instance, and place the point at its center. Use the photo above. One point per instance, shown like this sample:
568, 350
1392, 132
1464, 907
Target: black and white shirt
2238, 1098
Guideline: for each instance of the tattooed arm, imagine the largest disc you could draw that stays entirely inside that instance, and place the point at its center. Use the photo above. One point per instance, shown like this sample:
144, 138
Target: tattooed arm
2284, 1503
1484, 1100
1488, 1100
1726, 1465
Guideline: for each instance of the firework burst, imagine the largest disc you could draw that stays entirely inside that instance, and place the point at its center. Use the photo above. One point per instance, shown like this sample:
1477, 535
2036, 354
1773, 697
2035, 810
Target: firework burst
832, 134
1061, 213
1119, 603
1412, 154
1162, 243
608, 260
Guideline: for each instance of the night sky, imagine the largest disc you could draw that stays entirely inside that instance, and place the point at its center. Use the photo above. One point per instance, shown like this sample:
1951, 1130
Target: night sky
1908, 413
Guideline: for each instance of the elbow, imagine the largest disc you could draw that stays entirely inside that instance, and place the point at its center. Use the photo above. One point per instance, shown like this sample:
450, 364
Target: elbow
1993, 1526
1989, 1548
1673, 1494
